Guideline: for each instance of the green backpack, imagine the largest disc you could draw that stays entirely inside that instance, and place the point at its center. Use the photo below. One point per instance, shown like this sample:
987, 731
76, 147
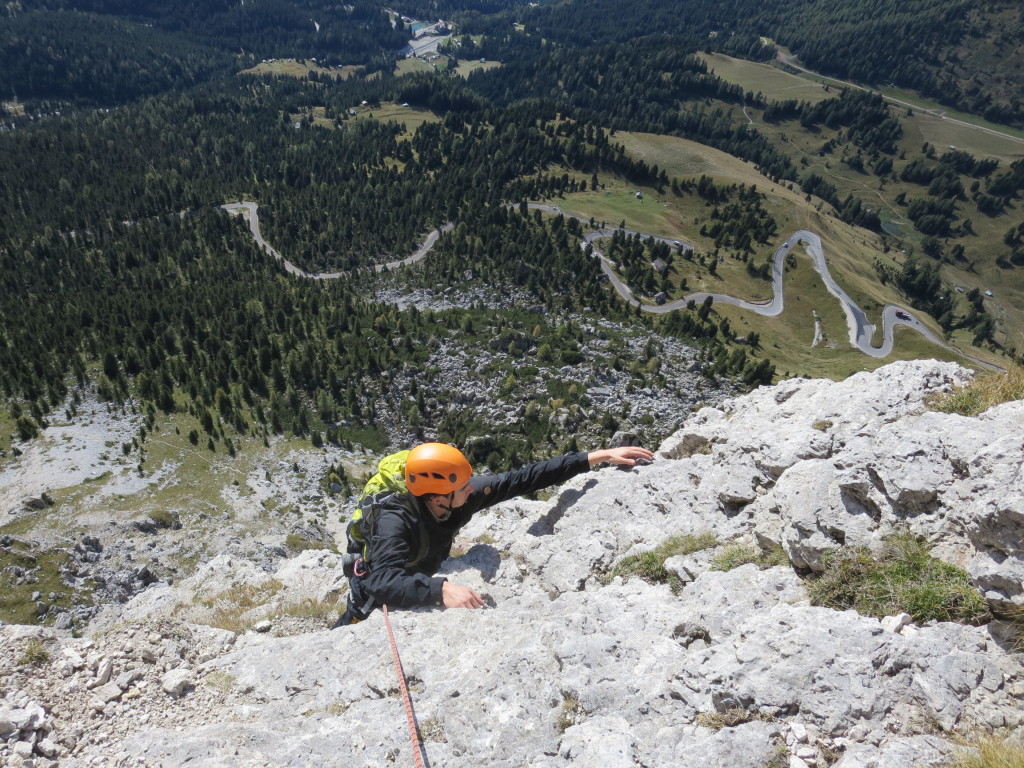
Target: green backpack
389, 480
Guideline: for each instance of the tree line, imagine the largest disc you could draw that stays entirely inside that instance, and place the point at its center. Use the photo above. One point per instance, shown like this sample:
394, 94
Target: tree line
913, 43
89, 52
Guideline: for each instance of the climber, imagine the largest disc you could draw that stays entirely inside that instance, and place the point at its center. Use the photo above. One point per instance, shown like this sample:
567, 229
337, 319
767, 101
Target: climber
411, 533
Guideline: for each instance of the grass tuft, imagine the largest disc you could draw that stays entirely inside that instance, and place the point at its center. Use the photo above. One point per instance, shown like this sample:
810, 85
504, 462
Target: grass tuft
571, 713
1013, 618
987, 390
242, 607
164, 518
650, 566
220, 680
730, 718
902, 578
297, 543
310, 608
989, 752
35, 654
735, 555
779, 757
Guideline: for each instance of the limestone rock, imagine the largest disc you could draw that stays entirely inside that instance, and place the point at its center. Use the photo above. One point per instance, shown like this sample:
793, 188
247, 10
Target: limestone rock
178, 681
571, 664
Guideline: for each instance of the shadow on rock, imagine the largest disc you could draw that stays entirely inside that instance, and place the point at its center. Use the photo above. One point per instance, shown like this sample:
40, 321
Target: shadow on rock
545, 525
480, 557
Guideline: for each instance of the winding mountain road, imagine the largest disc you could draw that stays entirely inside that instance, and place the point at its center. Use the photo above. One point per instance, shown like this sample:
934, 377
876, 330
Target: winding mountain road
251, 213
860, 330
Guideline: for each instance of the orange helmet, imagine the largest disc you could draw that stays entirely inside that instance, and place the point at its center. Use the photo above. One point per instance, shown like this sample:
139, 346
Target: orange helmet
436, 468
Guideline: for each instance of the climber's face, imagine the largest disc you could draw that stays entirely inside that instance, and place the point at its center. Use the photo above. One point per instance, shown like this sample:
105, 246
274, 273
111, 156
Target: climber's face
461, 495
441, 506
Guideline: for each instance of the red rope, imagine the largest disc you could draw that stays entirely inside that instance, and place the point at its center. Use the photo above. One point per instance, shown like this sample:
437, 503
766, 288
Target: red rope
410, 716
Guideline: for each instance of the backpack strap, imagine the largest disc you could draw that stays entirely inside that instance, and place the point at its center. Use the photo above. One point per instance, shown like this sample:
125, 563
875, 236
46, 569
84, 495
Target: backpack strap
363, 525
424, 536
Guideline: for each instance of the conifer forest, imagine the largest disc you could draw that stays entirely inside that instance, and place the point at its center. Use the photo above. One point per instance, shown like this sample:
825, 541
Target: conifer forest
125, 126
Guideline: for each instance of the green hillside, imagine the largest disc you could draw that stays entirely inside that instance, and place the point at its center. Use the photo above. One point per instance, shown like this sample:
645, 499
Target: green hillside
121, 277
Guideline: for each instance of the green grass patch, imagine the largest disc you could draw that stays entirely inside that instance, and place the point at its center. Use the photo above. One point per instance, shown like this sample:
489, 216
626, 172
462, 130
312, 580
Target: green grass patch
675, 217
236, 609
687, 159
942, 126
987, 389
164, 518
902, 578
413, 65
650, 566
318, 116
24, 525
773, 82
24, 571
653, 215
468, 66
735, 555
296, 543
730, 276
192, 468
411, 117
300, 68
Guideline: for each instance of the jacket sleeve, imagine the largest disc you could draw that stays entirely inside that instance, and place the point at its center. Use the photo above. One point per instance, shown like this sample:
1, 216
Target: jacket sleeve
388, 581
494, 489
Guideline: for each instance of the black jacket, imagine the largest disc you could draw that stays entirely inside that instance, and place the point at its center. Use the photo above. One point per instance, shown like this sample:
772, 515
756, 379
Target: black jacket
404, 523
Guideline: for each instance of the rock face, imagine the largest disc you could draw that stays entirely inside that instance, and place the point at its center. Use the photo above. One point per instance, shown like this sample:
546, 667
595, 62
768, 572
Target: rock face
828, 464
569, 666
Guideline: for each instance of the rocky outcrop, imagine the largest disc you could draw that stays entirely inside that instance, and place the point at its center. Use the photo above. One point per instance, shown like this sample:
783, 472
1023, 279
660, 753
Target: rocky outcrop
570, 664
832, 464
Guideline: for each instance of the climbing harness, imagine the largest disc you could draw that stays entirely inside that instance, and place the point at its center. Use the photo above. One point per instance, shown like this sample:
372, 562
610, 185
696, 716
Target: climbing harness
353, 564
410, 716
